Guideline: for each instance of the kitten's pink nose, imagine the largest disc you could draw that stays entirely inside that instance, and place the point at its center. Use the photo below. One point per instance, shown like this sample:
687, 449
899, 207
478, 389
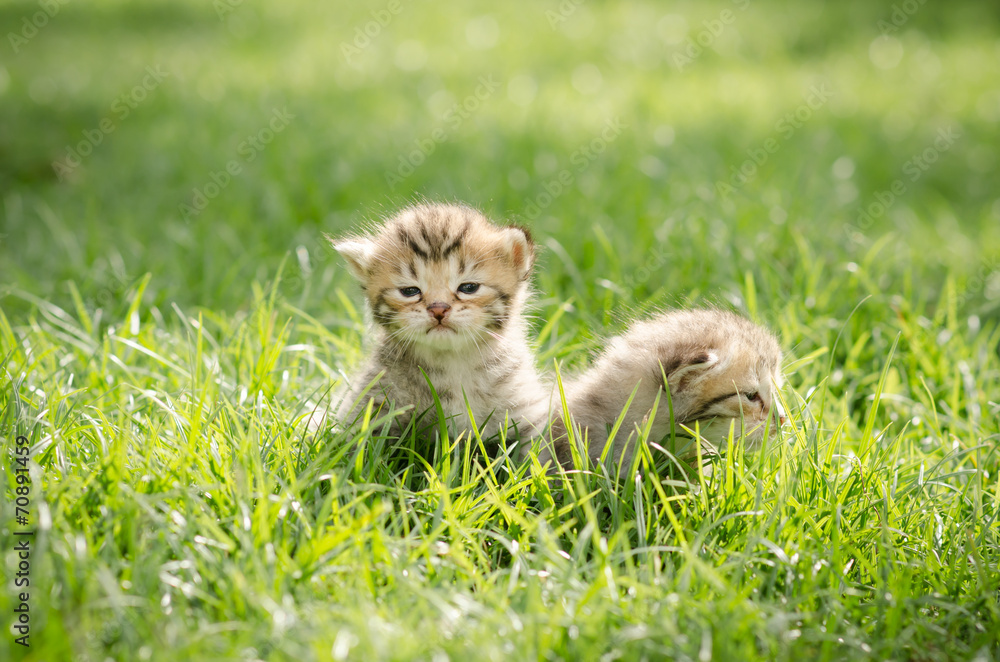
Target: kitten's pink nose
439, 309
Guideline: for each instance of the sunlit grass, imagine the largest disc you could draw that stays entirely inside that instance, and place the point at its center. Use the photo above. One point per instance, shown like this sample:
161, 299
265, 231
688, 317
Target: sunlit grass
163, 369
189, 510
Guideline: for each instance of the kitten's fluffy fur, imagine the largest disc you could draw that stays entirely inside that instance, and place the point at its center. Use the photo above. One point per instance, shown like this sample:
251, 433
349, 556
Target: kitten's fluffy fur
721, 369
446, 289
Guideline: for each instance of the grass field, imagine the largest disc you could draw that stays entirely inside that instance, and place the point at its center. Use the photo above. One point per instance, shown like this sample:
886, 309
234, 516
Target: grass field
169, 311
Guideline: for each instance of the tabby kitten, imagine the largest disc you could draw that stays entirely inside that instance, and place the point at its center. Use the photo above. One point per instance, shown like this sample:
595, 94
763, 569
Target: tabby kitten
446, 289
721, 369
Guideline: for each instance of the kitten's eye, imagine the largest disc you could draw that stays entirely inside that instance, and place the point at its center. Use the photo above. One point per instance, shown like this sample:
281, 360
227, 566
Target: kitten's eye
752, 396
409, 291
468, 288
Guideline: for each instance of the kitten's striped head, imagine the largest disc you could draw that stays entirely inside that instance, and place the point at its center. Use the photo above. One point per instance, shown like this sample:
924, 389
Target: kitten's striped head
722, 370
442, 276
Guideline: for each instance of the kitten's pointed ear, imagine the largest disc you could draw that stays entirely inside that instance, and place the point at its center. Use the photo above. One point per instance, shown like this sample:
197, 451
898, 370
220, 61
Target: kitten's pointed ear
358, 252
520, 248
691, 368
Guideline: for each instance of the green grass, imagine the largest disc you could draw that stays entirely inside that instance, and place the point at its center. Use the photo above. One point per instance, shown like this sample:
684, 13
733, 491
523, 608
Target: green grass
160, 365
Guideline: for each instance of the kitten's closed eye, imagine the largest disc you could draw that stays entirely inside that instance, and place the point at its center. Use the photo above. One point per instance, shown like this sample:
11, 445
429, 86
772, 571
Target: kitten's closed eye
721, 370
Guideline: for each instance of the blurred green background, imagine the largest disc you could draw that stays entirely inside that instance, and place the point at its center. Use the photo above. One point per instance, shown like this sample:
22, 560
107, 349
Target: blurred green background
830, 169
642, 223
